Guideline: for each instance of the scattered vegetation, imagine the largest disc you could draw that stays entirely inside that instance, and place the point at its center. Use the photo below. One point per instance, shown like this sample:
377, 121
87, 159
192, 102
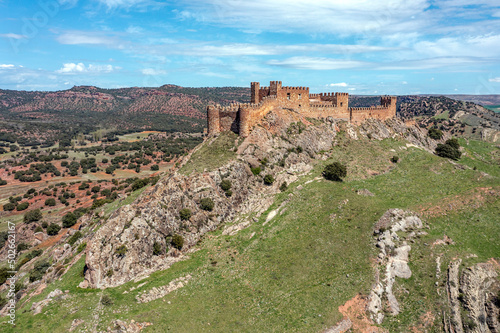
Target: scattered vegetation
335, 171
207, 204
185, 214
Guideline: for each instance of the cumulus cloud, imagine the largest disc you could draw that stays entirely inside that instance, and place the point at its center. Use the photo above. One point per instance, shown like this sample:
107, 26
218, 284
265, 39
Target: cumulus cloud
341, 84
72, 68
6, 66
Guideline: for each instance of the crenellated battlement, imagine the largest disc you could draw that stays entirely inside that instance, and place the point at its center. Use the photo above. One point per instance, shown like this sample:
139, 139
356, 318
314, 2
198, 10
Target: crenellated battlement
242, 117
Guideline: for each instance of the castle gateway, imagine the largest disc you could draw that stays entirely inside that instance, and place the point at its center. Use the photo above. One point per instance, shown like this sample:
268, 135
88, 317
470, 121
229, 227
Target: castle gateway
241, 118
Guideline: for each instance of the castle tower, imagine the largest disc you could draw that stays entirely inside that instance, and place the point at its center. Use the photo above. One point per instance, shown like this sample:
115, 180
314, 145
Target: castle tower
244, 128
342, 100
390, 103
274, 88
255, 87
213, 119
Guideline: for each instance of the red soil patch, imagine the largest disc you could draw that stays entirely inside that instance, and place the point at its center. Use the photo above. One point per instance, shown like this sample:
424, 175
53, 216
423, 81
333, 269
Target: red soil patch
355, 310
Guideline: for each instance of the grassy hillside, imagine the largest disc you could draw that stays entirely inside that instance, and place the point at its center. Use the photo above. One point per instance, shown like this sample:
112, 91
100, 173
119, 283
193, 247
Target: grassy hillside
291, 274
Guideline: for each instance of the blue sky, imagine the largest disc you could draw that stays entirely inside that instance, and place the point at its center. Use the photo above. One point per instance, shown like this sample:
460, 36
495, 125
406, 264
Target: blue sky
356, 46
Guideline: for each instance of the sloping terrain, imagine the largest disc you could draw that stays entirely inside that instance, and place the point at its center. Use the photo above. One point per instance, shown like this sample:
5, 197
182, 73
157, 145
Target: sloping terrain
298, 254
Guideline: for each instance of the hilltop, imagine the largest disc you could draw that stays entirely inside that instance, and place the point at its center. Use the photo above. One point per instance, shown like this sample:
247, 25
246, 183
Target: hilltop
247, 235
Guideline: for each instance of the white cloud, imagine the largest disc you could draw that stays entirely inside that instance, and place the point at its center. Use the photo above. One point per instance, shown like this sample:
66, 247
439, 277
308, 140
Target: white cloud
313, 63
495, 79
13, 36
341, 84
72, 68
81, 37
5, 66
331, 16
152, 71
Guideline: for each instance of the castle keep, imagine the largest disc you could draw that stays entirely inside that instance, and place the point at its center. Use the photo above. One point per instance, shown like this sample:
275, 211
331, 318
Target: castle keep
241, 118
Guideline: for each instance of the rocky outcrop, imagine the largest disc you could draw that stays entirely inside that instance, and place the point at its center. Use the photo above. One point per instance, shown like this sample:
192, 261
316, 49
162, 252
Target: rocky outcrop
37, 307
392, 259
162, 291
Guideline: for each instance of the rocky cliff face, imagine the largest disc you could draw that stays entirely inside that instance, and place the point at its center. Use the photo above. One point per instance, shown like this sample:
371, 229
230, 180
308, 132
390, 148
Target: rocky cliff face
136, 239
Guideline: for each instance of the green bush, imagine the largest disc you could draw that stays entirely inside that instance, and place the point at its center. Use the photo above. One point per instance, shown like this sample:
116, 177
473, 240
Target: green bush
435, 133
177, 242
38, 229
106, 300
9, 207
283, 187
69, 220
453, 143
32, 216
225, 184
53, 229
22, 246
335, 171
155, 167
256, 171
207, 204
185, 214
50, 202
268, 179
39, 270
157, 250
394, 159
121, 250
228, 193
45, 224
81, 247
22, 206
74, 238
445, 150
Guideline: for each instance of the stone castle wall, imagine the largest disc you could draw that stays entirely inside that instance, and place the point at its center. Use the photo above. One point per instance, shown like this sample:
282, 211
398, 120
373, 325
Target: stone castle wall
241, 118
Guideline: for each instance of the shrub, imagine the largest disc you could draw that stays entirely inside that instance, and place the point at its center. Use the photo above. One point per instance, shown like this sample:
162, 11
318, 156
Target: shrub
22, 247
81, 247
207, 204
453, 143
109, 273
155, 167
185, 214
9, 207
69, 220
225, 184
74, 238
256, 170
283, 187
32, 216
335, 171
228, 193
435, 133
106, 300
121, 250
53, 229
177, 242
50, 202
157, 250
22, 206
448, 151
38, 270
96, 189
268, 179
38, 229
394, 159
44, 224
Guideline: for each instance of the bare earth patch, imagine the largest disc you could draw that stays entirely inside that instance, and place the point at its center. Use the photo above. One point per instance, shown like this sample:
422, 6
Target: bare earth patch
355, 310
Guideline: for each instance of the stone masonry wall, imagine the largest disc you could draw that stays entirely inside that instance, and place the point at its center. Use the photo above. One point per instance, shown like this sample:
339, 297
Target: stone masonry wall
241, 118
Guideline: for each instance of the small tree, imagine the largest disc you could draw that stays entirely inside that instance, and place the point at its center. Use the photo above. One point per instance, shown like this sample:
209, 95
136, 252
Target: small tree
155, 167
32, 216
177, 242
50, 202
453, 143
435, 133
207, 204
69, 220
283, 187
448, 151
9, 207
22, 206
225, 184
335, 171
53, 229
157, 250
185, 214
394, 159
268, 179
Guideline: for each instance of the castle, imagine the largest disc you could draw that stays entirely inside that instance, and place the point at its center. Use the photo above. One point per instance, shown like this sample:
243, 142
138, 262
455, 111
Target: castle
241, 118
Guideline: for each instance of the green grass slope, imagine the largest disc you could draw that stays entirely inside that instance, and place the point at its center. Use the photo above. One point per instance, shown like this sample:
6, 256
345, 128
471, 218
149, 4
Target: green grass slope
292, 273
